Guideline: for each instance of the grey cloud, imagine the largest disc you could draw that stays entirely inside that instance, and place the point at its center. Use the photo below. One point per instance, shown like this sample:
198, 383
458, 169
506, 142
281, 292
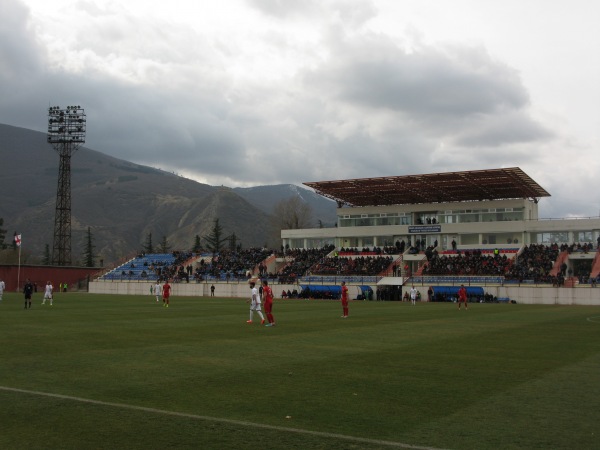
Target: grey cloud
137, 122
352, 13
371, 109
502, 129
20, 53
284, 8
425, 82
436, 109
169, 129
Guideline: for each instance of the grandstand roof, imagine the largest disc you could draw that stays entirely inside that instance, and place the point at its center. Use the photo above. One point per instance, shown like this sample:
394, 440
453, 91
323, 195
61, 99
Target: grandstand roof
494, 184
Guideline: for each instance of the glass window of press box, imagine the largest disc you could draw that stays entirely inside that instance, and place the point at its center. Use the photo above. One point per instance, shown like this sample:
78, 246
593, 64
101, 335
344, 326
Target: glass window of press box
440, 217
480, 215
369, 220
562, 237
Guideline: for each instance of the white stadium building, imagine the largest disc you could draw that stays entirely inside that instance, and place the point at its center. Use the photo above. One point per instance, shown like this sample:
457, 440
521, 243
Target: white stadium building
487, 210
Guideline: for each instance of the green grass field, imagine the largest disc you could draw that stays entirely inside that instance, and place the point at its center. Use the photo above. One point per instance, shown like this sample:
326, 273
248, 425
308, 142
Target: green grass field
106, 372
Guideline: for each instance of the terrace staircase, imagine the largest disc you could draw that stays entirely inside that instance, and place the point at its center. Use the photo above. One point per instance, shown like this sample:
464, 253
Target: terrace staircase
270, 262
595, 265
389, 271
562, 257
419, 271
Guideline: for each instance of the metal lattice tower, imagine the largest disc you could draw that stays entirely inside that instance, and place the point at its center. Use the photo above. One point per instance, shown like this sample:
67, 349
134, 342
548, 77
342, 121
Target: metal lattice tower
66, 133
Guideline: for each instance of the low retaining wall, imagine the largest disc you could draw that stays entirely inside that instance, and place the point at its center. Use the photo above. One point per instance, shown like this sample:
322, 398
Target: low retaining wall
240, 290
548, 295
521, 294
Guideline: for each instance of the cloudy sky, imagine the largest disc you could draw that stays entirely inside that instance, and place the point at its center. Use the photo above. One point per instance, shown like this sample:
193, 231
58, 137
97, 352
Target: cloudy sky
253, 92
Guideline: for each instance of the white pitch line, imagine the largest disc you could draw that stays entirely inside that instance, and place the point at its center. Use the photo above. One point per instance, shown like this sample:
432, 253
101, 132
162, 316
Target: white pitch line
220, 420
594, 319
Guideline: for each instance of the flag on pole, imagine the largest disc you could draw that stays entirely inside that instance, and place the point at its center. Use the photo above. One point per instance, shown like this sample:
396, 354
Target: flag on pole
17, 240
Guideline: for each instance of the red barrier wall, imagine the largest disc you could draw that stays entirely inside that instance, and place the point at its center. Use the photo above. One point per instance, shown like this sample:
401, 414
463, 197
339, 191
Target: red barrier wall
41, 274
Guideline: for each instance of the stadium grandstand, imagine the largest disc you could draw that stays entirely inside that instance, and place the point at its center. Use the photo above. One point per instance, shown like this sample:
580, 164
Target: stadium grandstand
473, 226
144, 267
435, 231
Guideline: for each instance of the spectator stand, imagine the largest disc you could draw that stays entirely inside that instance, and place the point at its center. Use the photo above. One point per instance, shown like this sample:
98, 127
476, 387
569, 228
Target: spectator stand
469, 262
357, 264
299, 261
140, 268
233, 266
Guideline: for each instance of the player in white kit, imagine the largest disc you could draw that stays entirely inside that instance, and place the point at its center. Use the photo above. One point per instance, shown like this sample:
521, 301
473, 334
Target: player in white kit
48, 293
158, 291
255, 304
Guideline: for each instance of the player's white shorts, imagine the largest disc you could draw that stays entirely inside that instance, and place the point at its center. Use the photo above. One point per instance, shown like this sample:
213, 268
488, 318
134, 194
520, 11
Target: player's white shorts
255, 306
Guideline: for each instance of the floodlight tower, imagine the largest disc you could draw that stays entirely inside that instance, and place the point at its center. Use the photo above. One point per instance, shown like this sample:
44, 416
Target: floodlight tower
66, 133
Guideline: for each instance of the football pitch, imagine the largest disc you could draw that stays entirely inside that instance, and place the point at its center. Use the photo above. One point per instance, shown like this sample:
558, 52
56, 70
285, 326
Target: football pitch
123, 372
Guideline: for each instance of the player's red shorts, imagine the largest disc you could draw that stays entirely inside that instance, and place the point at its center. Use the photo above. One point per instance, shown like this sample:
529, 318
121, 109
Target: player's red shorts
268, 307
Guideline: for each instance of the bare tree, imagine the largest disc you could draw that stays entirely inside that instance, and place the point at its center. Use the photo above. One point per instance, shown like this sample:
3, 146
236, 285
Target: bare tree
292, 214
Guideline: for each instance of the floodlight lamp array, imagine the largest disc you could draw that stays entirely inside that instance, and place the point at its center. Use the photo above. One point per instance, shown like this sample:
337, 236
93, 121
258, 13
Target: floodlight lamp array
66, 126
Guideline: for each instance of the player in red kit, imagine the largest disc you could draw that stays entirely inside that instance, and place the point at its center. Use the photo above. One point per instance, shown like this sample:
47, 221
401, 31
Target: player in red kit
268, 298
166, 293
345, 299
462, 296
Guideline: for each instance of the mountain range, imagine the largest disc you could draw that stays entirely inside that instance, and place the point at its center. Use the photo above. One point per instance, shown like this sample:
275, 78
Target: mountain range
122, 202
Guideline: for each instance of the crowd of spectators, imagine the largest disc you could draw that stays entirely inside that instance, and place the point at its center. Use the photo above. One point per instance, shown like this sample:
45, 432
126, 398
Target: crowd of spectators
577, 248
467, 263
234, 265
360, 265
176, 271
301, 260
535, 263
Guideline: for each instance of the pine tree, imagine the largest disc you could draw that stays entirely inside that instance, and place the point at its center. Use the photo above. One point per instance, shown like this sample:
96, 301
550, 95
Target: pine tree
88, 252
164, 245
215, 240
197, 247
148, 248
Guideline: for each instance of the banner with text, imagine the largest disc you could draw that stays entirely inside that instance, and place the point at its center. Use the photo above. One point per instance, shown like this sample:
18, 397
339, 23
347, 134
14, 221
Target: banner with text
425, 229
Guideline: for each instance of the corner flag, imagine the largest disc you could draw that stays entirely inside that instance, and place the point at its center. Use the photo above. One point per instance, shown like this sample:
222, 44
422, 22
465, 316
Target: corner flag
18, 240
